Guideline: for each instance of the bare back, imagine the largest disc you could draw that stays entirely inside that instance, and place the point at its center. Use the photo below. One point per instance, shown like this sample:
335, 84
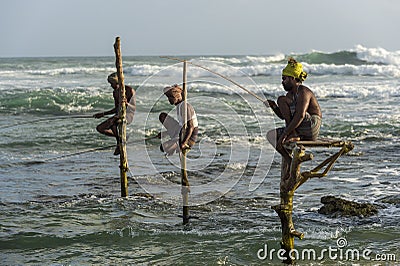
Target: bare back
310, 101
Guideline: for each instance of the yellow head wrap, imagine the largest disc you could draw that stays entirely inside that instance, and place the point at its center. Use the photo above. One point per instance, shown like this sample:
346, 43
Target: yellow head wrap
294, 69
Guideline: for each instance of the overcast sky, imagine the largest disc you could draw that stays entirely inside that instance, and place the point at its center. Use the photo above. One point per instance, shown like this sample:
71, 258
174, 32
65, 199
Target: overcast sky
195, 27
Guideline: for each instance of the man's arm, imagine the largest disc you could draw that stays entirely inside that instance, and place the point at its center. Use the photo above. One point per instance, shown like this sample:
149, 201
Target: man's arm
274, 107
99, 115
109, 112
131, 99
188, 133
189, 126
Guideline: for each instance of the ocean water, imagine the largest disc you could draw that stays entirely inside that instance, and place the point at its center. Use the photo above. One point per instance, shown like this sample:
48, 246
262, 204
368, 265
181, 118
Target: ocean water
60, 198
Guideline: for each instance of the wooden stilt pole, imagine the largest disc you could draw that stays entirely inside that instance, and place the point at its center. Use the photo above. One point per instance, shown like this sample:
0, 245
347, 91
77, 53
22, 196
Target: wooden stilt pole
292, 178
285, 208
184, 178
122, 123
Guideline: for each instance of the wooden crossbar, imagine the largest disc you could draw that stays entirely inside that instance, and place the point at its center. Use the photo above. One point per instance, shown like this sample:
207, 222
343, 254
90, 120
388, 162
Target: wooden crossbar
322, 142
345, 147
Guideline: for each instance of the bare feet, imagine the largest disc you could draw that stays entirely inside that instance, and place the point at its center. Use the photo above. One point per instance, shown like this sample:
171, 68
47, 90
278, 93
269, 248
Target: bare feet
117, 151
292, 139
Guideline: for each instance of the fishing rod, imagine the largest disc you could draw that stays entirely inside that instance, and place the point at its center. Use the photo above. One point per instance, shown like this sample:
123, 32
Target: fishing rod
47, 119
77, 153
218, 74
94, 149
27, 163
74, 154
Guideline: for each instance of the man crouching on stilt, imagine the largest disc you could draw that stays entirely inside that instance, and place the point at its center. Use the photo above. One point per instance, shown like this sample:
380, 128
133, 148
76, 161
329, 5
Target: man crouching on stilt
299, 108
180, 140
110, 126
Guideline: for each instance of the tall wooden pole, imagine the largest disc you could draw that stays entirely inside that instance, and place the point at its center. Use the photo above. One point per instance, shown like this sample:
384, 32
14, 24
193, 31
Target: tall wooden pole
292, 178
122, 116
184, 178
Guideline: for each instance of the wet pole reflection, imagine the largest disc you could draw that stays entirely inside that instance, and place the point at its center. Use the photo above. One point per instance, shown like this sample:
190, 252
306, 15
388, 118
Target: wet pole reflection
185, 189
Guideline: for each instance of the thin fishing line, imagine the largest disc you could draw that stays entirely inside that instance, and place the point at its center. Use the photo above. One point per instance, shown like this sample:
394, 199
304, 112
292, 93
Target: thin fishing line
78, 153
218, 74
93, 150
46, 119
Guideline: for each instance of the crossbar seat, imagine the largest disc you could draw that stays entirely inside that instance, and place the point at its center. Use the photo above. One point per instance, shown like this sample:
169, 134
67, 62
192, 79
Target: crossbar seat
321, 142
345, 147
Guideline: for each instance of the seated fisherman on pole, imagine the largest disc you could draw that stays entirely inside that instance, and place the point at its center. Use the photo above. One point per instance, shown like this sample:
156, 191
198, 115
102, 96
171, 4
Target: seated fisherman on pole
299, 108
110, 126
175, 128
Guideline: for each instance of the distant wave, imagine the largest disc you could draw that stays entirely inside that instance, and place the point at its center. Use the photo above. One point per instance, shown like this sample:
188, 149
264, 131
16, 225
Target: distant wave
231, 71
378, 55
69, 71
270, 70
76, 100
360, 55
358, 61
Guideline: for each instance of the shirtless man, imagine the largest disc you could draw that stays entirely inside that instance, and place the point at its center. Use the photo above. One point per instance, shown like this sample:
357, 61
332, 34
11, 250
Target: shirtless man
299, 108
110, 126
174, 128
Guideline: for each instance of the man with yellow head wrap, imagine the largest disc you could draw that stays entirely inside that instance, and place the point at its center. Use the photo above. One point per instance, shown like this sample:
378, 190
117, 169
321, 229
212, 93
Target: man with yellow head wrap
299, 108
295, 70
